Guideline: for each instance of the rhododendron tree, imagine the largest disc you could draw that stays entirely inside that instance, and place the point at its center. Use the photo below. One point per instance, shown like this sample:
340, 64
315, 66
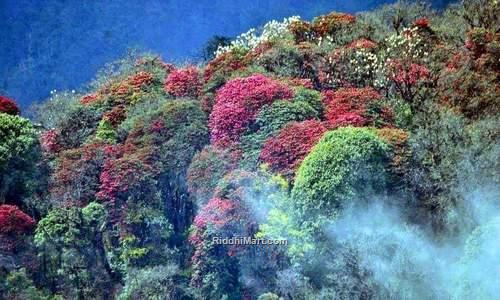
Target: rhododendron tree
49, 141
14, 221
407, 78
140, 80
76, 174
469, 83
285, 152
183, 82
330, 23
237, 104
123, 175
210, 259
90, 99
356, 107
8, 106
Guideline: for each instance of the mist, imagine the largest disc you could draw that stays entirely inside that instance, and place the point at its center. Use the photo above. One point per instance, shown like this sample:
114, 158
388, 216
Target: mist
410, 263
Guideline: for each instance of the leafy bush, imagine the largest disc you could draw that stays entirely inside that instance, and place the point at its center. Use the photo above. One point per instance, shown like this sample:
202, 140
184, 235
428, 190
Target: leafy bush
340, 170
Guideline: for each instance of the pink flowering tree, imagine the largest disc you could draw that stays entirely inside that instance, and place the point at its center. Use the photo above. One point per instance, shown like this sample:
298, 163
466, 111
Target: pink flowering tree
237, 104
183, 82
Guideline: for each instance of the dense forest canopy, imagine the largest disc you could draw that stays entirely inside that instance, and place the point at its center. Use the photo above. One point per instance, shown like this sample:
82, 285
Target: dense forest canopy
369, 143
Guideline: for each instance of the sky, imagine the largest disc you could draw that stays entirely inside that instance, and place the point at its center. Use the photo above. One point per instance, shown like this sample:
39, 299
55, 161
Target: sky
61, 44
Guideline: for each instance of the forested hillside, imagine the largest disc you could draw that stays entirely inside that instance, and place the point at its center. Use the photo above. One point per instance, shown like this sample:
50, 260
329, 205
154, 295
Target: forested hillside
369, 143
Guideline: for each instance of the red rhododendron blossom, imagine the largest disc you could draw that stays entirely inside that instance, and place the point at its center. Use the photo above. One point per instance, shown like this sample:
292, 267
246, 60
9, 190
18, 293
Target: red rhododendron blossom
347, 119
49, 141
8, 106
140, 80
216, 212
224, 63
285, 152
422, 22
89, 99
237, 104
362, 44
117, 115
408, 75
347, 103
13, 220
183, 82
157, 125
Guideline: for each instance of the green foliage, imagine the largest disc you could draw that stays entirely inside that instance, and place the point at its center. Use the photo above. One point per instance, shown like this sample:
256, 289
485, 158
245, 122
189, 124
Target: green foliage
340, 169
105, 132
19, 154
17, 137
162, 282
53, 111
311, 97
79, 125
282, 59
72, 250
18, 285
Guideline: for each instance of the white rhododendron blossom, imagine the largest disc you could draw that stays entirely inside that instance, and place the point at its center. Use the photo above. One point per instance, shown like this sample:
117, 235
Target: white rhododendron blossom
249, 40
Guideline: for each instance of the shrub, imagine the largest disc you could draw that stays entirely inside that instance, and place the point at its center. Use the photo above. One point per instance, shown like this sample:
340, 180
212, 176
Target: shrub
14, 221
311, 97
237, 104
183, 82
340, 169
8, 106
285, 152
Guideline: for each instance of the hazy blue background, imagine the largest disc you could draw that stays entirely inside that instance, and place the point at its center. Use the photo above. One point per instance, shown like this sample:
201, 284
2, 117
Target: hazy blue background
60, 44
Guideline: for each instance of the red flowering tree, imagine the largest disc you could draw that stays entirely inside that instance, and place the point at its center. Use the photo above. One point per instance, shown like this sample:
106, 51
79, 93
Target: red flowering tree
49, 141
76, 176
331, 23
213, 260
14, 221
237, 104
183, 82
116, 115
362, 44
8, 106
124, 171
285, 152
90, 99
422, 22
140, 80
407, 77
356, 107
